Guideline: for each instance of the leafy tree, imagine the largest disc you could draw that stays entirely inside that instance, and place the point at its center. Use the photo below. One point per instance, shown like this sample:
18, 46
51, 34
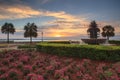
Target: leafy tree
108, 31
30, 31
93, 30
8, 28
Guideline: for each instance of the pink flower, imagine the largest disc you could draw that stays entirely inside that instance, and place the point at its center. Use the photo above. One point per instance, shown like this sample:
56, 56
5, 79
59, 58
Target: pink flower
50, 68
87, 77
79, 73
24, 59
28, 67
99, 68
40, 77
116, 66
86, 60
3, 70
4, 76
33, 76
59, 72
66, 77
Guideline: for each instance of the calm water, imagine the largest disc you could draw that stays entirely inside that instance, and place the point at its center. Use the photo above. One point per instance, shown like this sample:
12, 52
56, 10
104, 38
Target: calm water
53, 39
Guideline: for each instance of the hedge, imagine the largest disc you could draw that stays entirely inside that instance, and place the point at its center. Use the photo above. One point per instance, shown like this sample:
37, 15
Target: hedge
93, 52
114, 42
26, 46
59, 42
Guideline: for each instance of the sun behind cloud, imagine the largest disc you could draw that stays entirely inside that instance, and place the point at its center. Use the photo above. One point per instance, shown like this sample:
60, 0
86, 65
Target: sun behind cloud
58, 35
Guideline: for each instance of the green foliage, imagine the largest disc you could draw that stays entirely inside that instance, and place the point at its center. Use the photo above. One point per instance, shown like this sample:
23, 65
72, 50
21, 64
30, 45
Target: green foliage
108, 31
114, 42
93, 30
8, 28
26, 46
26, 71
108, 73
94, 52
3, 78
30, 31
59, 42
12, 74
2, 72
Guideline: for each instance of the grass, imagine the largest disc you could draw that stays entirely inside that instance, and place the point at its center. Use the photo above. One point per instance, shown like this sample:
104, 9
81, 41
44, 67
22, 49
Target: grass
3, 45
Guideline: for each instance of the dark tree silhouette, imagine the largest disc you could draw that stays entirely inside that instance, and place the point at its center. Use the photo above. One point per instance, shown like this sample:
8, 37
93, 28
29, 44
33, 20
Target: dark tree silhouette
30, 31
93, 30
8, 28
108, 31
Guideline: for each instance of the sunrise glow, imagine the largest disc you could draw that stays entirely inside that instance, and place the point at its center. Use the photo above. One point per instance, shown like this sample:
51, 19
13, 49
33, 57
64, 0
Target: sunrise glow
69, 20
58, 35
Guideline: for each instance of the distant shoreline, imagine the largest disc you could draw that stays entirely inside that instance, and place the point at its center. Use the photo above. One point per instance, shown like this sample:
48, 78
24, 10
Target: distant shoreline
27, 40
38, 40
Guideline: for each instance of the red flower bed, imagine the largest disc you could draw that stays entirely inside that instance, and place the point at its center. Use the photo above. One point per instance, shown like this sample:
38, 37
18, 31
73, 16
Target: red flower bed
23, 65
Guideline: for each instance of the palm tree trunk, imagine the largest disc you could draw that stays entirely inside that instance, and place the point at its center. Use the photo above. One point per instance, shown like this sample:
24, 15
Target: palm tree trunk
8, 37
42, 36
31, 39
107, 39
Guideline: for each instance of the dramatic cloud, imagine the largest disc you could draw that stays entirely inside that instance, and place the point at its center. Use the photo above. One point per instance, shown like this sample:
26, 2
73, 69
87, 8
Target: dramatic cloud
17, 12
62, 24
22, 11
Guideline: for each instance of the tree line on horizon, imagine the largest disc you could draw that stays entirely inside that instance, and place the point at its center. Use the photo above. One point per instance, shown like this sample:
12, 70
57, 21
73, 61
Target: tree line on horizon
31, 30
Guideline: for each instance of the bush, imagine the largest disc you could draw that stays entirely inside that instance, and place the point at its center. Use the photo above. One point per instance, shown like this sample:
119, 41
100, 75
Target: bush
114, 42
26, 46
94, 52
56, 42
59, 42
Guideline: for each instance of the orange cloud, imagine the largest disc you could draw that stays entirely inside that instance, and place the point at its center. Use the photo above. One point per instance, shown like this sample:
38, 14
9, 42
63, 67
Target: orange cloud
23, 11
17, 12
63, 22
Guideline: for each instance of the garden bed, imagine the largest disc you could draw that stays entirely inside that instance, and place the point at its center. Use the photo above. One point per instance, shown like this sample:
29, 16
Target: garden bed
24, 65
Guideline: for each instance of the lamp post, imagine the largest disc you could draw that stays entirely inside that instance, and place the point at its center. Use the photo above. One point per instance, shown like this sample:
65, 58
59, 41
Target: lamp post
42, 36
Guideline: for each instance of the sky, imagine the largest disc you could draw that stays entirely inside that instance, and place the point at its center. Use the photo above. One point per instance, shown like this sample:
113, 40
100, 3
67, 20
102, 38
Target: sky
62, 19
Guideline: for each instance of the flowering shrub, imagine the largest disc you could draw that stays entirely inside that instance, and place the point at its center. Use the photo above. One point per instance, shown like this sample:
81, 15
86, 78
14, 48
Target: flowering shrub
13, 74
33, 76
23, 65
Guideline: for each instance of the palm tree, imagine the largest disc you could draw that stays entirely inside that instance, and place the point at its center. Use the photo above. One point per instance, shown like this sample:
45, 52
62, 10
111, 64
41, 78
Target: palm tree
108, 31
8, 28
93, 30
30, 31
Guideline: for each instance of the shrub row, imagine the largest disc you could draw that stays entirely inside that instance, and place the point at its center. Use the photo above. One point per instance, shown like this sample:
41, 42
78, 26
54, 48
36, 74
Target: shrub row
26, 46
114, 42
58, 42
93, 52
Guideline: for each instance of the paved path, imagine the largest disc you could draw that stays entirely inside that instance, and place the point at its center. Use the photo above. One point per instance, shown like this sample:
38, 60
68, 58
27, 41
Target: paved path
15, 47
10, 46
